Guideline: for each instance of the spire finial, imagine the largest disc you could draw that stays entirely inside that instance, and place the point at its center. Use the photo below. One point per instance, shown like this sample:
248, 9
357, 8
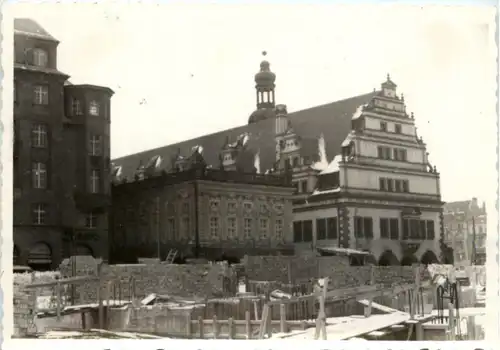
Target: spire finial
388, 77
264, 53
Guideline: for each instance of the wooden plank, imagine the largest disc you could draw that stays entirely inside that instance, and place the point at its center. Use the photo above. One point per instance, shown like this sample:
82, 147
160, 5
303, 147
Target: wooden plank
248, 325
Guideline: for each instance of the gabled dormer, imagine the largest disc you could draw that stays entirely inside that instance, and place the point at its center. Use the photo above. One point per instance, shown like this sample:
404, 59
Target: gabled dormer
179, 162
232, 151
153, 167
116, 174
140, 172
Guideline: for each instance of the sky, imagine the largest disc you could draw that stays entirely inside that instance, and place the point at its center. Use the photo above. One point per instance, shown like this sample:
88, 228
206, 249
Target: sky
181, 71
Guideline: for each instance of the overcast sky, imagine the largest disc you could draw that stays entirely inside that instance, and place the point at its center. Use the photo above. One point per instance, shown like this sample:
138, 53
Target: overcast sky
183, 71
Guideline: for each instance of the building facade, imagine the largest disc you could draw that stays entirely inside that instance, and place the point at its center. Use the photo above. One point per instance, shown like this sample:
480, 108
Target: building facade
465, 225
200, 212
61, 156
361, 174
379, 194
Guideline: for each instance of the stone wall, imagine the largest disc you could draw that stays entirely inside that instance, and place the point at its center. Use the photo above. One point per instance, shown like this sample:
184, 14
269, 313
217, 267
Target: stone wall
24, 305
299, 269
140, 280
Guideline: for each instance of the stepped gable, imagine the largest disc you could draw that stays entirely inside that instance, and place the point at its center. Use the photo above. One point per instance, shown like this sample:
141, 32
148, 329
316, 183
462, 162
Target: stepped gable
333, 120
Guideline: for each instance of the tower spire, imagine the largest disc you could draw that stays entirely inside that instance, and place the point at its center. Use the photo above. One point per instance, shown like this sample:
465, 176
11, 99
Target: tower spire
264, 86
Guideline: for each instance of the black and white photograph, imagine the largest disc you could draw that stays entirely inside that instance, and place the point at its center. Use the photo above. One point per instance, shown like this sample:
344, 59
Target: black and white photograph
264, 171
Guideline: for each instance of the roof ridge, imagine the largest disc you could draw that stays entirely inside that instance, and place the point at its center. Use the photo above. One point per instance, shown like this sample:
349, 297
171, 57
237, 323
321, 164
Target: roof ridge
237, 127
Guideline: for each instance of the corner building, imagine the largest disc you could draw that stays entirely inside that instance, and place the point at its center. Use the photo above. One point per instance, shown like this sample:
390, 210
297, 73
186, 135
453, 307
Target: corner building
61, 156
361, 176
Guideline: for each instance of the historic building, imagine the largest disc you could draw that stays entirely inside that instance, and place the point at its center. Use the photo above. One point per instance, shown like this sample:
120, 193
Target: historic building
361, 174
61, 156
200, 212
465, 225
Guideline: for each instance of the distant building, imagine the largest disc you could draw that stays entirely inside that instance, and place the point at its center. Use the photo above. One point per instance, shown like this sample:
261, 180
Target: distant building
200, 212
361, 174
463, 221
61, 156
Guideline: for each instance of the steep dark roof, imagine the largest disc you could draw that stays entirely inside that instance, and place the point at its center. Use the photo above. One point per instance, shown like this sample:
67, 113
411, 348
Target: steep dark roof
28, 27
333, 120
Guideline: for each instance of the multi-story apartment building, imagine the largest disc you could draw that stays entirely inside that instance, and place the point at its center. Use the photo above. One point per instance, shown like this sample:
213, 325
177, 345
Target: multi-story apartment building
361, 174
465, 225
61, 156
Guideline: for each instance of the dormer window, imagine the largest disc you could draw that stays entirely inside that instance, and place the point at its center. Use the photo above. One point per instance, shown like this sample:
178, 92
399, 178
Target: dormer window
94, 108
40, 58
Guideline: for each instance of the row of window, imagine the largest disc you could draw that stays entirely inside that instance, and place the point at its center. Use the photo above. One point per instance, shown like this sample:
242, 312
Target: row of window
394, 185
232, 227
39, 139
41, 97
326, 228
397, 127
247, 206
418, 229
398, 154
40, 213
40, 177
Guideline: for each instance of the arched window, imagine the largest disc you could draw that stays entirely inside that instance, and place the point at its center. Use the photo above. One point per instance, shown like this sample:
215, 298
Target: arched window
40, 58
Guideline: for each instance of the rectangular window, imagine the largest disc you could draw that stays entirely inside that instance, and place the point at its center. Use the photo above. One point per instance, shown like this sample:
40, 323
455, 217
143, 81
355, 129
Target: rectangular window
302, 231
422, 230
394, 224
383, 126
76, 107
363, 227
297, 231
40, 57
39, 212
390, 185
414, 229
308, 231
214, 227
380, 152
91, 220
430, 230
406, 229
384, 228
171, 229
399, 185
95, 145
41, 95
39, 173
94, 108
304, 186
406, 186
331, 228
382, 184
279, 229
368, 227
320, 229
400, 154
39, 135
185, 227
231, 227
247, 227
387, 153
295, 162
264, 227
397, 128
94, 181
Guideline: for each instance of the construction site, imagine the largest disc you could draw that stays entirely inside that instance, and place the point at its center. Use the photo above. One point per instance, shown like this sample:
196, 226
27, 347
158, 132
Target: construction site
262, 297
